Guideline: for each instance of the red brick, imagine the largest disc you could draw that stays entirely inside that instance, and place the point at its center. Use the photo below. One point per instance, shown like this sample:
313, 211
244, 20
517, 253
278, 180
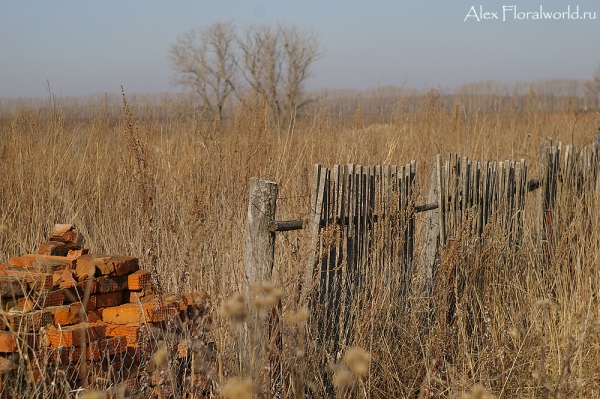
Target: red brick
100, 285
145, 295
6, 366
64, 278
42, 299
94, 316
106, 347
139, 313
56, 248
75, 335
76, 253
27, 322
8, 342
11, 286
139, 280
67, 314
92, 265
131, 332
42, 263
35, 280
106, 300
198, 302
66, 233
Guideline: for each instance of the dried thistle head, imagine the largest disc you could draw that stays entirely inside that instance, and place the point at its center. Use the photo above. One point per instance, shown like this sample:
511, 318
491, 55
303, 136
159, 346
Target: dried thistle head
477, 392
342, 379
358, 360
235, 308
296, 318
160, 358
91, 394
237, 388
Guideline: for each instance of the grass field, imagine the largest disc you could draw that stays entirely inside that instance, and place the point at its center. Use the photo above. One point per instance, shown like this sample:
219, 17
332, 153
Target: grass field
173, 191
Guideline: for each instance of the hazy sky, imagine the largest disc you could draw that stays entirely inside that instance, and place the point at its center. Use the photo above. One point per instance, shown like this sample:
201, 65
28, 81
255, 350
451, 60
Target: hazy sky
85, 47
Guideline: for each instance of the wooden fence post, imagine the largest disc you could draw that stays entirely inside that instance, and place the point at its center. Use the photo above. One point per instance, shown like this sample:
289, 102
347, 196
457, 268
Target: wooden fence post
432, 232
258, 267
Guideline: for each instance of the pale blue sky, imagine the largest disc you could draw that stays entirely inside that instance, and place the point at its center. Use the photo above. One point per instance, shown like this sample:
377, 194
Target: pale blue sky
85, 47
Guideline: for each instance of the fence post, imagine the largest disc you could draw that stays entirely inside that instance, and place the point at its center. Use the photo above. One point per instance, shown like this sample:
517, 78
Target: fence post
432, 232
258, 267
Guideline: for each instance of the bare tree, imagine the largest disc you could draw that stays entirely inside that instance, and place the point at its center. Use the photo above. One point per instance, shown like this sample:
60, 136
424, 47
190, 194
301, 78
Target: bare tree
205, 61
594, 85
262, 59
276, 64
273, 61
301, 49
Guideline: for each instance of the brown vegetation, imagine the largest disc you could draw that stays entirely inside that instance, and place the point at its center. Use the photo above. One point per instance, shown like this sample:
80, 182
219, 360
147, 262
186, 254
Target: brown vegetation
173, 191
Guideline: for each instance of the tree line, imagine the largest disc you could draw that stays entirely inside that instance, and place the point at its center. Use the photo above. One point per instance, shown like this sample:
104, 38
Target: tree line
219, 64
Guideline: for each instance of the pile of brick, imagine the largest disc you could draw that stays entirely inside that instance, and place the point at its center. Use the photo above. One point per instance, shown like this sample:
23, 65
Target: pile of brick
95, 322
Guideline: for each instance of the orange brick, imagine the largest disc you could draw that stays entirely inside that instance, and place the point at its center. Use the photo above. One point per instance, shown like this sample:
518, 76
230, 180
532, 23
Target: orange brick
94, 316
8, 342
66, 233
64, 278
11, 286
75, 335
106, 347
145, 295
67, 314
76, 253
91, 265
62, 259
56, 248
131, 332
97, 350
199, 302
106, 300
101, 285
42, 299
139, 280
42, 263
35, 280
6, 366
27, 322
135, 313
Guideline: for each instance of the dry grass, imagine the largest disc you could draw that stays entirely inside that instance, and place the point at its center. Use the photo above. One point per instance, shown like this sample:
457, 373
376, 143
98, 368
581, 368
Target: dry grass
173, 191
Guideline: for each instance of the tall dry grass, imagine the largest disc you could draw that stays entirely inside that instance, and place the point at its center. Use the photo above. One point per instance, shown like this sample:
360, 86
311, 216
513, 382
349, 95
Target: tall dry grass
520, 327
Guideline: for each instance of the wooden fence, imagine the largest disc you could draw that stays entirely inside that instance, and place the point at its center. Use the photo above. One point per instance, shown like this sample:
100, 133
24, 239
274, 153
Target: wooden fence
362, 222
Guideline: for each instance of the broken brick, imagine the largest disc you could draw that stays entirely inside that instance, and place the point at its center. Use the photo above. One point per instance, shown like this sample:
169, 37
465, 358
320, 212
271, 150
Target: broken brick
66, 314
42, 299
75, 335
139, 313
67, 234
56, 248
26, 322
106, 300
92, 265
131, 332
12, 286
8, 342
139, 280
35, 280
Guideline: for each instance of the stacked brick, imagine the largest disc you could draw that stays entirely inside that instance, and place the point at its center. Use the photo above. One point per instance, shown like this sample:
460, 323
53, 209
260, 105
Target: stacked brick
94, 321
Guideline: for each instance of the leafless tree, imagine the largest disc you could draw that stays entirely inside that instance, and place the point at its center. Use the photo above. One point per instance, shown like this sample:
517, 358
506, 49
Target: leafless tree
205, 62
594, 85
276, 64
272, 61
262, 59
301, 49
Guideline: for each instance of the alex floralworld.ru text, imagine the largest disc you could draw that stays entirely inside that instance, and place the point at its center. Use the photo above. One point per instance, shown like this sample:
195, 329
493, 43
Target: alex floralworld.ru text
513, 13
